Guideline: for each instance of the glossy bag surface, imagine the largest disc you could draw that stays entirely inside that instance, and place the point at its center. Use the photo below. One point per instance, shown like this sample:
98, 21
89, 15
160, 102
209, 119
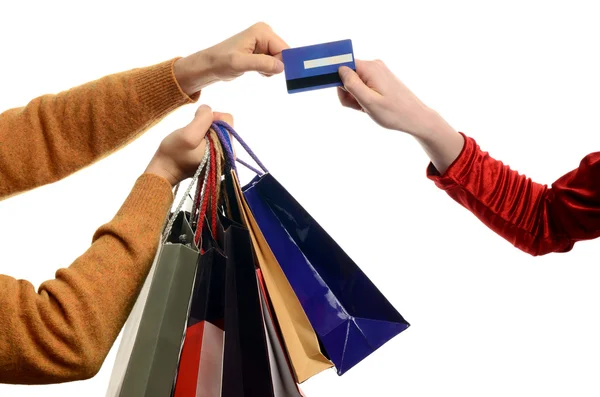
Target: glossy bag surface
300, 339
349, 314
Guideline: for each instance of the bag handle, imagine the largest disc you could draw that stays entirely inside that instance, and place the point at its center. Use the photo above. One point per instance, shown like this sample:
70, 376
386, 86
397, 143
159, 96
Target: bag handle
203, 162
223, 130
201, 190
210, 196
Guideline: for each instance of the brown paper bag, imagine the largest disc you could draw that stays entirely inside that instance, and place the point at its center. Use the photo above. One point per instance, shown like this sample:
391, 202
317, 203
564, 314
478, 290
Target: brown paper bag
300, 339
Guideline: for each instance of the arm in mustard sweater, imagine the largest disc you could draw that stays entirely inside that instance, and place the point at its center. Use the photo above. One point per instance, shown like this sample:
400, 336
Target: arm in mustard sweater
64, 331
56, 135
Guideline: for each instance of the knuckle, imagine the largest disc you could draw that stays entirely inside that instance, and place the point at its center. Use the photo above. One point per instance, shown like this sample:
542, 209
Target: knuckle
187, 138
380, 64
261, 26
203, 109
226, 117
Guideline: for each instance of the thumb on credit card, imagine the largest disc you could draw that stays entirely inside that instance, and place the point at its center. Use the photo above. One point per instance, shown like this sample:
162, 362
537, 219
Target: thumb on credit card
354, 85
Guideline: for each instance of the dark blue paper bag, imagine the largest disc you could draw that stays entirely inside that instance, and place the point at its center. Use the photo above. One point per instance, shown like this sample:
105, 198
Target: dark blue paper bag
350, 315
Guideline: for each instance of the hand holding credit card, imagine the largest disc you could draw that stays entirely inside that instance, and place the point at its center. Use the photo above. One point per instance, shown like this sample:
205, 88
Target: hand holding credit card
316, 66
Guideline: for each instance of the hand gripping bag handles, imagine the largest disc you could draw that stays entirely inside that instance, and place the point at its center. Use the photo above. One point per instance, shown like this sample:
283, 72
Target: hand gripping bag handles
239, 361
350, 315
148, 356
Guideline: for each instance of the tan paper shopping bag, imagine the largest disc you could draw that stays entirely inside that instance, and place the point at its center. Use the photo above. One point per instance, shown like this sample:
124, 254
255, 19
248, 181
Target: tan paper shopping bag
300, 339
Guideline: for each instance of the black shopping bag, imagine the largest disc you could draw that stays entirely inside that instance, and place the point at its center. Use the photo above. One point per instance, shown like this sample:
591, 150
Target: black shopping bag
246, 367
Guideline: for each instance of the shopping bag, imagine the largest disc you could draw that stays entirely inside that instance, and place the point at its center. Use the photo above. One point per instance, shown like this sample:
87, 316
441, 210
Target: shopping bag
130, 331
147, 364
284, 384
246, 367
127, 376
300, 340
155, 355
201, 363
349, 314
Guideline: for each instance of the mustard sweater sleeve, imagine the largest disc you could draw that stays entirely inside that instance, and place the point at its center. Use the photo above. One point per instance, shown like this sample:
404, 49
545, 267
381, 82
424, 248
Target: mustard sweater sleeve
56, 135
64, 331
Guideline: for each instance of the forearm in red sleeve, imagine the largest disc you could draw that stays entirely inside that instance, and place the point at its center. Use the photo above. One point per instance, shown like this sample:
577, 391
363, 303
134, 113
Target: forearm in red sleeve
533, 217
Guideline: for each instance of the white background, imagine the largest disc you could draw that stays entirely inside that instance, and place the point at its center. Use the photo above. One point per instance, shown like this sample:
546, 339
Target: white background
521, 77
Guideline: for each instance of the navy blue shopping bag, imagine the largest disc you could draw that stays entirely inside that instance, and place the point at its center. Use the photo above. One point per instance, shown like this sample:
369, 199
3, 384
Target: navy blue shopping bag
350, 315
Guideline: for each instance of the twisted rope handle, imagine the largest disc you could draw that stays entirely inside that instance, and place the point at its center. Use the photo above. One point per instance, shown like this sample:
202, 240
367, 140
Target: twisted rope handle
205, 159
210, 178
223, 130
201, 190
226, 144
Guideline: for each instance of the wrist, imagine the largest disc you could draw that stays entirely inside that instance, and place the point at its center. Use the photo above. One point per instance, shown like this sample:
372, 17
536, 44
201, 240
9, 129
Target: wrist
430, 125
156, 167
194, 72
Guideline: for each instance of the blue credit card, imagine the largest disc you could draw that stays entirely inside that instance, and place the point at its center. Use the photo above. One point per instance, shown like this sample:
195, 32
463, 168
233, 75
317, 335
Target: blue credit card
316, 66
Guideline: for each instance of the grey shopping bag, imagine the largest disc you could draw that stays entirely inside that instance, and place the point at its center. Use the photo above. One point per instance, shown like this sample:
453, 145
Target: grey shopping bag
148, 357
152, 367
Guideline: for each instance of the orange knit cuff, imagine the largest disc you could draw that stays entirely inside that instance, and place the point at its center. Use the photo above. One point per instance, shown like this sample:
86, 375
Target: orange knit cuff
158, 89
150, 197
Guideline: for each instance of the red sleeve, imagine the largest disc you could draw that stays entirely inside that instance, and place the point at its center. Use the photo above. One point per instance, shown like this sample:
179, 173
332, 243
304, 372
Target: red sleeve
533, 217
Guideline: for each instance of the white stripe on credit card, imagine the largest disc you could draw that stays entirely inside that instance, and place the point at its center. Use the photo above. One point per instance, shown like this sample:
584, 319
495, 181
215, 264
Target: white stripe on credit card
317, 63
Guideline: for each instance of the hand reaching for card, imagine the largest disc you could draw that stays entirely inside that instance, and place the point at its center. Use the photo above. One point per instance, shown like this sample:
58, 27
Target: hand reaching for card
257, 49
375, 90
